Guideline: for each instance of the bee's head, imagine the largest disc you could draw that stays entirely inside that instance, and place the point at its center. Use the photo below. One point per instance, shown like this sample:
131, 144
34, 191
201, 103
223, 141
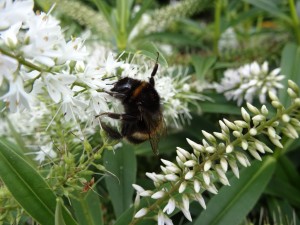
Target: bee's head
124, 85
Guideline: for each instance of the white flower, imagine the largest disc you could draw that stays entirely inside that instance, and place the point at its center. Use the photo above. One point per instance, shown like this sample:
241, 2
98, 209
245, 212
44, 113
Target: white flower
12, 12
163, 219
72, 50
45, 39
111, 64
45, 151
170, 207
142, 212
228, 40
73, 107
10, 35
250, 81
57, 85
17, 98
7, 67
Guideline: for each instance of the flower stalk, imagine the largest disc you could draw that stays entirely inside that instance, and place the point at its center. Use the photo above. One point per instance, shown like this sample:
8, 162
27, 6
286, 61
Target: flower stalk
195, 171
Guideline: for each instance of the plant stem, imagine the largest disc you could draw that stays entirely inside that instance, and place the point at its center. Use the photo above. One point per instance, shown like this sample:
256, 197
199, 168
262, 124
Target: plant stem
295, 20
217, 19
23, 61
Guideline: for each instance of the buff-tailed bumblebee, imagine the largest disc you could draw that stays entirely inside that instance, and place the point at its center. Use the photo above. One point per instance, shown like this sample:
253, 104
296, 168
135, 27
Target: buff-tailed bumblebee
143, 118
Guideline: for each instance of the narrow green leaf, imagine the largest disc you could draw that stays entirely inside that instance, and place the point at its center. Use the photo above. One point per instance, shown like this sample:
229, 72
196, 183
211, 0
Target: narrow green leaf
121, 163
290, 68
59, 219
284, 190
287, 171
282, 213
233, 203
27, 186
202, 65
145, 5
149, 50
270, 7
106, 10
87, 208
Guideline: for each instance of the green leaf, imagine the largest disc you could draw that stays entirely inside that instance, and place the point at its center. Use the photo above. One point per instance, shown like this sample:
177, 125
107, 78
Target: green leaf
87, 208
28, 187
59, 219
203, 64
290, 68
145, 5
232, 203
219, 104
270, 7
284, 190
149, 50
287, 171
106, 10
121, 163
282, 213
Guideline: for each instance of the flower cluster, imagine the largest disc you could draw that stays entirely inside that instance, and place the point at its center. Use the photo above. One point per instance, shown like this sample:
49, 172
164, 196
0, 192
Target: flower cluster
250, 81
196, 172
228, 40
49, 78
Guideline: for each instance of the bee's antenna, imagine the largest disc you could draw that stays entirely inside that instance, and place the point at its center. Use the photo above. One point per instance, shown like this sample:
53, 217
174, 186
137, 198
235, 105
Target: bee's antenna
154, 71
109, 77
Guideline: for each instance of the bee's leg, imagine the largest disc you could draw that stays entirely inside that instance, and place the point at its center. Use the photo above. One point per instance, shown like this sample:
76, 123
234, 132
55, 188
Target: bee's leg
112, 133
154, 71
120, 116
116, 94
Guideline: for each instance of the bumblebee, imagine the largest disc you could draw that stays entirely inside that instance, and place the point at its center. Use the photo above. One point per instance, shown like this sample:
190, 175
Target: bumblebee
143, 118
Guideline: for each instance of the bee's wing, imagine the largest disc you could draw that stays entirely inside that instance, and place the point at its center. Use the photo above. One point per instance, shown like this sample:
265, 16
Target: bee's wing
155, 132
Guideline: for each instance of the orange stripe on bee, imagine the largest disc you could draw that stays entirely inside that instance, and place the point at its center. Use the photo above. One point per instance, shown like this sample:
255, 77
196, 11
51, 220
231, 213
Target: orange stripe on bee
138, 90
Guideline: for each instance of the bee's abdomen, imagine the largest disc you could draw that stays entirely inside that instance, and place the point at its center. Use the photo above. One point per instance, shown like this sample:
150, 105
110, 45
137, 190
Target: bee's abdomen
138, 137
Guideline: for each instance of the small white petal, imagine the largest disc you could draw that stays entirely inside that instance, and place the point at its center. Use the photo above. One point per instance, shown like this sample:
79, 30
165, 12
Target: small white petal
197, 186
190, 163
229, 148
200, 199
254, 153
234, 167
189, 175
206, 177
146, 193
207, 165
167, 163
184, 152
182, 187
142, 212
195, 146
241, 158
224, 164
171, 177
170, 207
138, 188
158, 195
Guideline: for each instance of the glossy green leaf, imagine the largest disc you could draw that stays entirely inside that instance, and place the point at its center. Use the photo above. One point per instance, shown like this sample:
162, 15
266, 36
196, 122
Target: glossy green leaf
202, 65
270, 7
287, 171
284, 190
138, 15
149, 50
282, 213
290, 68
59, 219
87, 208
28, 187
232, 203
121, 163
218, 104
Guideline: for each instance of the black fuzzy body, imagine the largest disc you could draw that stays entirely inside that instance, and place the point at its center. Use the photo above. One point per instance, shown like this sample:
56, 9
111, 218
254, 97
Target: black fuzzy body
141, 102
